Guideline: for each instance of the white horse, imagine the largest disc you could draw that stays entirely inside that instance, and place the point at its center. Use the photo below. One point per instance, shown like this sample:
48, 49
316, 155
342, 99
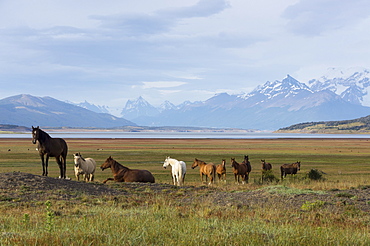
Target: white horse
178, 170
83, 166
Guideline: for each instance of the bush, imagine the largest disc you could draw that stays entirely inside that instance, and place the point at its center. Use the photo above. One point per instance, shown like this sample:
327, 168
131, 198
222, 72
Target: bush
315, 174
268, 176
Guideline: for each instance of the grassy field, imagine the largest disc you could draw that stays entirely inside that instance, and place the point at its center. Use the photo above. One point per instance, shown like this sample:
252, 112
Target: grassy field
345, 161
165, 221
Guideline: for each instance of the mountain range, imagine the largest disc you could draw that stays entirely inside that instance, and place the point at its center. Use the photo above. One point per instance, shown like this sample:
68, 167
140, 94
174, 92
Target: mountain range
27, 110
337, 95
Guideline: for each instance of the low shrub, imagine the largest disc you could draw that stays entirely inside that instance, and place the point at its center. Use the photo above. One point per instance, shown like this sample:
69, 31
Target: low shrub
268, 176
315, 174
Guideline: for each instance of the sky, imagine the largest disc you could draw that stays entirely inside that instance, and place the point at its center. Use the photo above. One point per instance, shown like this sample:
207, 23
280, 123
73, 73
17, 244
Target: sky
107, 52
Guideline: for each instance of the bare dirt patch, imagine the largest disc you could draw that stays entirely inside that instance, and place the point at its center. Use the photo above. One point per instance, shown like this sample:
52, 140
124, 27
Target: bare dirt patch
19, 187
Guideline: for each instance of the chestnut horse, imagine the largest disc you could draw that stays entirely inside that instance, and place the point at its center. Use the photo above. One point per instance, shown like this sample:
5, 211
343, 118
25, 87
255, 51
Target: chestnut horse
221, 171
290, 169
125, 174
205, 169
266, 166
241, 170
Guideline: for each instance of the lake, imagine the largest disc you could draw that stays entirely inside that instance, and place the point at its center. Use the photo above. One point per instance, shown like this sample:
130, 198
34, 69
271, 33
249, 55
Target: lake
197, 135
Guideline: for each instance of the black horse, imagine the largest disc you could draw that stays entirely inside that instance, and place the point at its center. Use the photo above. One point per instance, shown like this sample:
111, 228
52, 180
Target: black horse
51, 147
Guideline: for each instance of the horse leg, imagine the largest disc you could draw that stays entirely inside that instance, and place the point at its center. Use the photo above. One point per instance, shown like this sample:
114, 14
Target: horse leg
46, 165
60, 164
64, 167
43, 165
183, 179
105, 181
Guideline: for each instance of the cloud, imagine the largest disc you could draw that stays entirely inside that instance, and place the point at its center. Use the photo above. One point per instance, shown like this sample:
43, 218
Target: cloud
203, 8
162, 84
159, 21
314, 17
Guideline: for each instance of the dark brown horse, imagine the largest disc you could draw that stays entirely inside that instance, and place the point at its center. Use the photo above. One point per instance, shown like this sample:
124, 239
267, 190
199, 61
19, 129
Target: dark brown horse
240, 170
266, 165
209, 170
221, 170
290, 169
125, 174
51, 147
249, 167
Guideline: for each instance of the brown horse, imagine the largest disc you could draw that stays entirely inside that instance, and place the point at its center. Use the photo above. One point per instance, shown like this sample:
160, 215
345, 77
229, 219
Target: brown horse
205, 169
240, 170
290, 169
221, 171
249, 167
266, 166
51, 147
125, 174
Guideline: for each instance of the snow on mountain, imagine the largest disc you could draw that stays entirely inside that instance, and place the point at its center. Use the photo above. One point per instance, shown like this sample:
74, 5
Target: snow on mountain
353, 84
138, 108
338, 95
93, 107
277, 93
167, 105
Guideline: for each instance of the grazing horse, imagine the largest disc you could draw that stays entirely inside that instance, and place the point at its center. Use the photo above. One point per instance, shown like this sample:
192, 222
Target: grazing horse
221, 170
83, 166
240, 171
209, 170
178, 170
51, 147
266, 166
125, 174
290, 169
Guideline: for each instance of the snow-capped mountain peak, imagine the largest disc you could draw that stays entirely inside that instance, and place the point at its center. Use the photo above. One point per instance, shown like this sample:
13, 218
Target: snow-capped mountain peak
288, 86
351, 84
166, 105
138, 107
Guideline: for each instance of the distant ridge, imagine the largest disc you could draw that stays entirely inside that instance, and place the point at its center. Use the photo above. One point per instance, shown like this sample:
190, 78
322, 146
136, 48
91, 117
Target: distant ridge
27, 110
360, 125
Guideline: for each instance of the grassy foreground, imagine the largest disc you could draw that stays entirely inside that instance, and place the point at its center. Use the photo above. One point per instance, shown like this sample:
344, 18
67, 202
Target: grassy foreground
165, 219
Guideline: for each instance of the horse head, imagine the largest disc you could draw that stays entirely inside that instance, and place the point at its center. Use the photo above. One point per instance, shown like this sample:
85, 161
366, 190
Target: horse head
298, 165
35, 134
233, 162
166, 162
108, 163
77, 157
195, 163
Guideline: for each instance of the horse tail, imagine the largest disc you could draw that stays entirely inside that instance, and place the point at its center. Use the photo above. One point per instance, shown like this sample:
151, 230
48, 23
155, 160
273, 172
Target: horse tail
182, 172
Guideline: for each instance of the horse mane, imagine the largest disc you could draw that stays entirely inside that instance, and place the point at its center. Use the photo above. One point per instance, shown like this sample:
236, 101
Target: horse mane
43, 135
120, 165
79, 155
200, 161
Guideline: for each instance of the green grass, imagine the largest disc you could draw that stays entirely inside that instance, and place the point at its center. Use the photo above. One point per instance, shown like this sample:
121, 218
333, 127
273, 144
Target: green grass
161, 219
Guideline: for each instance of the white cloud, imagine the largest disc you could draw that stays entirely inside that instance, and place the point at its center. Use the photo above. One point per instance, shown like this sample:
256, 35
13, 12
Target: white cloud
162, 84
313, 17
